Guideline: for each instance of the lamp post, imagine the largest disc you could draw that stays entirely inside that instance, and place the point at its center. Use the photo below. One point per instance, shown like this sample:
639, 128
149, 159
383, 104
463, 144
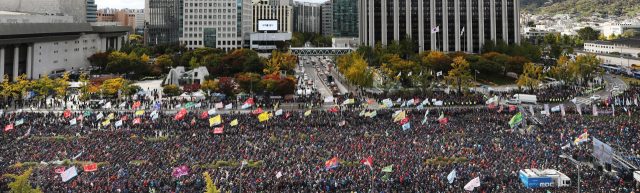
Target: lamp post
578, 164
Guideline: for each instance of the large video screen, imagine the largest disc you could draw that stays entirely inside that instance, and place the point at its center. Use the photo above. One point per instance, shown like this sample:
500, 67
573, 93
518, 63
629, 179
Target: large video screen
602, 151
268, 25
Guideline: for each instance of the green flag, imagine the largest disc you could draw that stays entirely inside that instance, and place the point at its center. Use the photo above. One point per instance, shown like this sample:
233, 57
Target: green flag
385, 177
362, 113
88, 113
190, 104
373, 114
516, 120
388, 169
441, 116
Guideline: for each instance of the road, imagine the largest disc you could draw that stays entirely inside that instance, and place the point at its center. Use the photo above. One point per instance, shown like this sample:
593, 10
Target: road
312, 73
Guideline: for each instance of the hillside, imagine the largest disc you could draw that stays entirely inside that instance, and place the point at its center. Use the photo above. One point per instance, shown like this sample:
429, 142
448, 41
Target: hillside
584, 7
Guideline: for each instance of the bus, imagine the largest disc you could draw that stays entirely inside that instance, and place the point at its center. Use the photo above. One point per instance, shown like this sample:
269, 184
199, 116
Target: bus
636, 75
635, 66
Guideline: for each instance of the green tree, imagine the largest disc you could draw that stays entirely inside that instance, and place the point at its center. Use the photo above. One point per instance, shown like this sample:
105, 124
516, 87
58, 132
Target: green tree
164, 61
135, 39
367, 52
602, 37
549, 39
21, 183
460, 75
488, 46
85, 87
556, 51
613, 37
588, 33
250, 82
194, 63
629, 33
586, 67
173, 90
410, 46
253, 64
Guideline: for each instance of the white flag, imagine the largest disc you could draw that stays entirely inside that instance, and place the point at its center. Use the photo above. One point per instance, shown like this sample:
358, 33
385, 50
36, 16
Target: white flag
123, 104
279, 112
278, 175
472, 184
451, 176
566, 146
435, 30
462, 32
439, 73
410, 73
399, 73
106, 106
212, 111
72, 121
328, 99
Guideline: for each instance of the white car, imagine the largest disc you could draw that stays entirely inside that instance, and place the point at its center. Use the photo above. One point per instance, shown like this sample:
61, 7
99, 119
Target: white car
616, 88
595, 97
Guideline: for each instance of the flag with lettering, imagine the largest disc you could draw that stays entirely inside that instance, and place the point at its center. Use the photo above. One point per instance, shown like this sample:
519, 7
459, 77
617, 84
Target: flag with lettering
137, 120
68, 174
180, 171
218, 130
204, 115
215, 121
180, 114
67, 114
91, 167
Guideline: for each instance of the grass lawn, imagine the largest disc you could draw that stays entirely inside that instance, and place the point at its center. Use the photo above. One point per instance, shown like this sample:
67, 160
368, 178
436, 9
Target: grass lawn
496, 79
627, 80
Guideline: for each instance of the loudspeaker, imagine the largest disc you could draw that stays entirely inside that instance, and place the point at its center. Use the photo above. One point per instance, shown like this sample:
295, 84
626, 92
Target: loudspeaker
607, 166
599, 168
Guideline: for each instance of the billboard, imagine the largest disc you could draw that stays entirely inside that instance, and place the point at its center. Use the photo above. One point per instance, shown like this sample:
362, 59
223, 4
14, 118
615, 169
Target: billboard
268, 25
602, 151
535, 182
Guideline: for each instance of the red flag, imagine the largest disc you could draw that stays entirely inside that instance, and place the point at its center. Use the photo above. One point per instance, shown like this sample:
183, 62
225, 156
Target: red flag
288, 114
249, 101
512, 108
443, 121
218, 129
193, 121
492, 106
204, 114
136, 104
91, 167
370, 101
8, 127
180, 114
137, 121
124, 118
59, 170
500, 108
335, 109
366, 161
67, 114
405, 120
80, 117
257, 111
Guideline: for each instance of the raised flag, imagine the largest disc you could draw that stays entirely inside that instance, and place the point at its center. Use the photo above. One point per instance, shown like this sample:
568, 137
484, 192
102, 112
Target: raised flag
546, 110
403, 104
189, 105
19, 122
405, 120
68, 174
140, 113
198, 105
59, 170
328, 99
452, 176
91, 167
288, 114
118, 123
562, 109
136, 104
367, 162
263, 117
228, 107
211, 111
180, 114
367, 114
443, 121
512, 108
439, 73
307, 113
400, 116
180, 171
137, 121
157, 106
373, 114
80, 118
579, 110
204, 115
515, 120
500, 110
438, 103
111, 116
410, 102
99, 116
219, 105
107, 122
531, 109
279, 112
362, 113
8, 127
72, 122
435, 29
122, 105
279, 174
370, 101
388, 169
107, 106
332, 163
245, 106
420, 107
153, 113
215, 121
249, 101
472, 184
257, 111
88, 113
406, 126
124, 118
492, 106
342, 123
67, 114
234, 122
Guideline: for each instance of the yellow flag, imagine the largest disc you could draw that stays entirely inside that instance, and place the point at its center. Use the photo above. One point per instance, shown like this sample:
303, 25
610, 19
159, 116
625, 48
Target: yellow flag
140, 112
400, 116
263, 117
307, 113
276, 107
351, 101
110, 116
105, 123
383, 105
215, 121
367, 114
234, 122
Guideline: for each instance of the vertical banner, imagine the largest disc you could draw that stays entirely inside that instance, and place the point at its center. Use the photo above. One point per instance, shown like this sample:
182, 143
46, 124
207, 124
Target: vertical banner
562, 109
579, 109
595, 110
546, 109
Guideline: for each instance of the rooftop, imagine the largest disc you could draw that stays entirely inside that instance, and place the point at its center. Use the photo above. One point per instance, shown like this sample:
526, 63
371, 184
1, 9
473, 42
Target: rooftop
635, 41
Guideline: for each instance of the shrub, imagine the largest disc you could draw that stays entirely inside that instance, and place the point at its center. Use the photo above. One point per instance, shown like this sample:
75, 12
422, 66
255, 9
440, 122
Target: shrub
222, 163
273, 138
102, 164
66, 162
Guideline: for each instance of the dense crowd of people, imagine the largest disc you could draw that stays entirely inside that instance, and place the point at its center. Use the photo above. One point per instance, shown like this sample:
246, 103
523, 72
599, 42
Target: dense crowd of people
141, 157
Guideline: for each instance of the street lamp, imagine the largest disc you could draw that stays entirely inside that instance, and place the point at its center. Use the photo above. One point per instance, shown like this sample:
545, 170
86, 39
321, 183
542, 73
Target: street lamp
578, 164
476, 75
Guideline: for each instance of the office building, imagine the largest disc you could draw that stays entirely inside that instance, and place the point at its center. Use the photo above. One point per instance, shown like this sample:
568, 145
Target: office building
306, 17
326, 19
345, 18
384, 21
216, 24
19, 17
92, 11
284, 15
52, 48
126, 19
77, 9
164, 22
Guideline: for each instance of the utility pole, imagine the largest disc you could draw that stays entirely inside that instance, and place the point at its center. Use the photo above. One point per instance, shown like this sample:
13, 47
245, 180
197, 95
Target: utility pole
578, 164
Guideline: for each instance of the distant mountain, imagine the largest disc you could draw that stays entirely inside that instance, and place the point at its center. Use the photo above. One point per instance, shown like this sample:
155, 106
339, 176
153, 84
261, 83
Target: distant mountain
583, 7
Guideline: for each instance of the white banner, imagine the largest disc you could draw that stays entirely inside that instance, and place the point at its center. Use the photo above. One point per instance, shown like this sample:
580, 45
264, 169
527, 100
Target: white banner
472, 184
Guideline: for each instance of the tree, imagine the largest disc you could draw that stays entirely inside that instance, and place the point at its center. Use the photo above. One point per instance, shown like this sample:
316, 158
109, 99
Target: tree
488, 46
410, 46
396, 48
211, 187
250, 82
359, 73
85, 87
194, 63
531, 77
145, 58
173, 90
285, 86
226, 86
431, 58
269, 85
254, 64
118, 63
587, 33
516, 64
549, 39
99, 59
21, 183
111, 86
396, 66
566, 40
459, 76
209, 86
613, 37
21, 85
135, 38
629, 33
602, 37
43, 86
586, 67
164, 61
367, 53
6, 87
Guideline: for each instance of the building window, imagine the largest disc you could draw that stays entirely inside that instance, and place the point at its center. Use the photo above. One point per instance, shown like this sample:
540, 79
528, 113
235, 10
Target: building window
55, 61
55, 52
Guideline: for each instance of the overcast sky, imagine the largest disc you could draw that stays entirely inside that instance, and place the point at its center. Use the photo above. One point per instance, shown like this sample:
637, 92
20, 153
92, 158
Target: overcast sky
139, 4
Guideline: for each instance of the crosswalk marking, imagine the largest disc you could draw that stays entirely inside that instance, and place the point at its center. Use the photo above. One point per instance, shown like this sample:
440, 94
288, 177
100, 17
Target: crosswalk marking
580, 100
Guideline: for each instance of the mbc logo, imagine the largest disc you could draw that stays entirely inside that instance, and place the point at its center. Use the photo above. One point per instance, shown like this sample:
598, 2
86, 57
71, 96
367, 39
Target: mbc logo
546, 184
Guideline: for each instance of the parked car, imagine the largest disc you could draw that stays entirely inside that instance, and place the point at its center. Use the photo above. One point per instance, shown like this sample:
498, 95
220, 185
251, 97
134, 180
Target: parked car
595, 97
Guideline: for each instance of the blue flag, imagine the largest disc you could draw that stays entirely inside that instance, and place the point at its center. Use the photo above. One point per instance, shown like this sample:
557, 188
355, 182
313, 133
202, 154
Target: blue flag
406, 126
156, 106
420, 107
451, 176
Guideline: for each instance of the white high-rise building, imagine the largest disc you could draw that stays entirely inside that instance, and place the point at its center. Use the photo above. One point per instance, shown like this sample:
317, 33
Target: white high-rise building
222, 24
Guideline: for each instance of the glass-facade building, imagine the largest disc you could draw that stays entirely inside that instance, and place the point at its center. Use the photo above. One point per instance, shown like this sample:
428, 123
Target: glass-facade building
345, 18
92, 11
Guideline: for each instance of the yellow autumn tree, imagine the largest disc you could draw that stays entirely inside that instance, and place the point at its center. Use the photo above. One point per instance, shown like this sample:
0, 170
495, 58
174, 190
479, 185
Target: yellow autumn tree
432, 57
209, 87
145, 58
531, 76
460, 75
42, 86
357, 71
110, 87
20, 86
211, 187
6, 87
60, 85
